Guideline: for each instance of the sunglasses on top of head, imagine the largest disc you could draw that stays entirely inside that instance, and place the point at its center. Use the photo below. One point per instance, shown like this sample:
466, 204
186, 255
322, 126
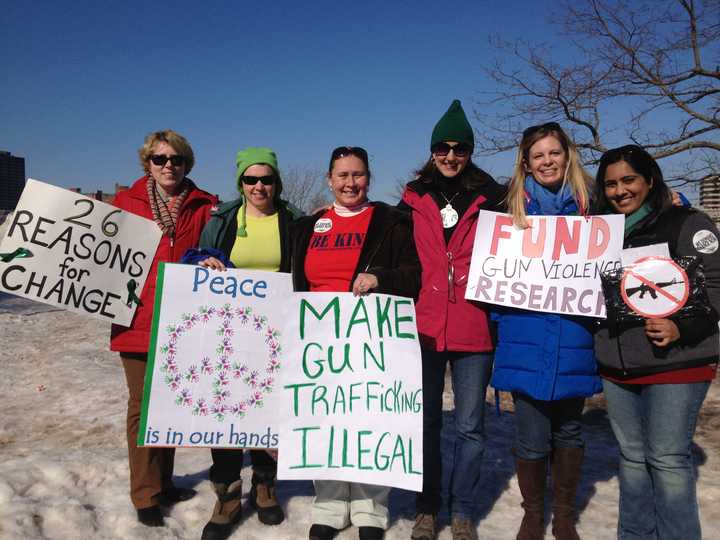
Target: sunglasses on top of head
252, 180
343, 151
160, 160
549, 126
460, 149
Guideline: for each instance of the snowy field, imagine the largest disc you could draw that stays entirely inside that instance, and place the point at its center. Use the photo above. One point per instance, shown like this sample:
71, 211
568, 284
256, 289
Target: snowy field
63, 472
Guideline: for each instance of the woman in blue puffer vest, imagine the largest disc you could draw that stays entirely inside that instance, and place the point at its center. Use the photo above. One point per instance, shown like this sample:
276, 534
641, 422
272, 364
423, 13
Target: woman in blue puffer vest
546, 360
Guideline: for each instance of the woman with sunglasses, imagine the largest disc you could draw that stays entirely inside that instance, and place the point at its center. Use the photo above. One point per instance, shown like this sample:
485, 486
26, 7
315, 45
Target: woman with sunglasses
378, 255
167, 196
656, 375
248, 232
546, 360
445, 200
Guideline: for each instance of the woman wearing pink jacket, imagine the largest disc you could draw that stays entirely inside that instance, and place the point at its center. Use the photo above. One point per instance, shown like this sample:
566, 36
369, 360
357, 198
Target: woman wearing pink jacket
445, 200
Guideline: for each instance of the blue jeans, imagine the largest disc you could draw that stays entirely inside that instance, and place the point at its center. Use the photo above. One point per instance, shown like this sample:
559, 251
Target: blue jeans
541, 426
654, 426
470, 378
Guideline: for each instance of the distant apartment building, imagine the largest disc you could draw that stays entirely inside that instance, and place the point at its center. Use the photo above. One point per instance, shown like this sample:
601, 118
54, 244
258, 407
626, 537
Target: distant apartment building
99, 195
12, 180
710, 198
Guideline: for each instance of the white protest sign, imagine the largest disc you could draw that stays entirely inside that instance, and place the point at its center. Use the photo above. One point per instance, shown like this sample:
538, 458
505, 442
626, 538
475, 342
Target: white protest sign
630, 255
553, 266
351, 404
68, 250
216, 351
655, 287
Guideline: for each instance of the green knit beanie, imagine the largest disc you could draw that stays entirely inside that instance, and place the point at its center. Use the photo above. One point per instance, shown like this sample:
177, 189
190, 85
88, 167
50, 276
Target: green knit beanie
453, 126
254, 155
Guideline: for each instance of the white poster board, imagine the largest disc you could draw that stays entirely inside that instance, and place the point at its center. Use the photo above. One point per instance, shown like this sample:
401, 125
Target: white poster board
351, 404
553, 266
216, 351
64, 249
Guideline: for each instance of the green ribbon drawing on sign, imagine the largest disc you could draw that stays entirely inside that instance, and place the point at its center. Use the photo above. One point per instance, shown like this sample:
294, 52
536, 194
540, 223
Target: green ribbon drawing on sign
19, 253
132, 297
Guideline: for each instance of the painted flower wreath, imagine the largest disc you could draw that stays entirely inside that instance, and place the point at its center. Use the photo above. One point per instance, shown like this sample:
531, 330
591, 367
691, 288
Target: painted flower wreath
222, 403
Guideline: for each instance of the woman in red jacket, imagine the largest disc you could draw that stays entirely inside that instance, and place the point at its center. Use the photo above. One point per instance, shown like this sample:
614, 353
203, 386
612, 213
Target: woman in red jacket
445, 201
167, 196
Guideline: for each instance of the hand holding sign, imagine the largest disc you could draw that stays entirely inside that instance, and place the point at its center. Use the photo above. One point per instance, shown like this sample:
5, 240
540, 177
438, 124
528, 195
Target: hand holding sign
662, 332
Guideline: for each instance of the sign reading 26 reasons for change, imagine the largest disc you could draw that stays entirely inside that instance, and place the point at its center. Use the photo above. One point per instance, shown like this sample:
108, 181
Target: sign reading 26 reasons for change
554, 265
68, 250
351, 390
216, 352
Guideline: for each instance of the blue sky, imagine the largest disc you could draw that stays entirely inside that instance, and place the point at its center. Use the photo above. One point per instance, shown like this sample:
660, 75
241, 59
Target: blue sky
84, 82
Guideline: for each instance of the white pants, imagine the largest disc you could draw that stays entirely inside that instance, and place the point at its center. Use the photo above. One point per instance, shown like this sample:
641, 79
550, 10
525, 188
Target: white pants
338, 504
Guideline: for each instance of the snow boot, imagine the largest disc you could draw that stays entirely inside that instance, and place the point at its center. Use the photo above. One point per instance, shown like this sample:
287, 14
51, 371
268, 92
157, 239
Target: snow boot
463, 529
322, 532
227, 511
566, 468
425, 528
371, 533
262, 497
532, 475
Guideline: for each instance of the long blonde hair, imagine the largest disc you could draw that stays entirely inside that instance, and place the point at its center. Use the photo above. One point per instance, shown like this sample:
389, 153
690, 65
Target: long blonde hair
575, 175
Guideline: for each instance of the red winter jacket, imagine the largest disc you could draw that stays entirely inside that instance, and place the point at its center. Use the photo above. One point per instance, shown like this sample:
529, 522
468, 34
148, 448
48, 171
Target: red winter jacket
193, 216
446, 320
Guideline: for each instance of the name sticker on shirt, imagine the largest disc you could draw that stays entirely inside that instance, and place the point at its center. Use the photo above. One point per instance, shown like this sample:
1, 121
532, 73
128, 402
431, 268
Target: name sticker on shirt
705, 241
323, 225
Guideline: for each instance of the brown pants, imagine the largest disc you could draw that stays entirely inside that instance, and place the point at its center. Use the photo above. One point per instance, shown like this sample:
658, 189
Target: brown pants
150, 468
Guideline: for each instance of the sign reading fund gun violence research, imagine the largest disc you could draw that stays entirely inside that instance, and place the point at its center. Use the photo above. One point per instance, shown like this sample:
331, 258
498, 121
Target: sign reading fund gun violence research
554, 265
351, 404
216, 351
68, 250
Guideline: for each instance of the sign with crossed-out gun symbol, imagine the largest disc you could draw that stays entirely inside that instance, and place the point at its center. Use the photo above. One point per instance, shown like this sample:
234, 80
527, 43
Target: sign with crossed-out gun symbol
655, 287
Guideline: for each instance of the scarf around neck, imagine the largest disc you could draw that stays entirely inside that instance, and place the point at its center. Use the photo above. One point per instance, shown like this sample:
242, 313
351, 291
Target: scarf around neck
164, 214
547, 202
636, 217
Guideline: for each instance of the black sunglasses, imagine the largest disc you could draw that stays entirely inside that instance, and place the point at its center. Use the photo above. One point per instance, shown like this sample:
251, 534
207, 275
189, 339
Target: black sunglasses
549, 126
252, 180
343, 151
160, 160
443, 149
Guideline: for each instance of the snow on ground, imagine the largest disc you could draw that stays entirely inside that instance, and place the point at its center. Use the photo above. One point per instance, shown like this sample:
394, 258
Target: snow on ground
63, 472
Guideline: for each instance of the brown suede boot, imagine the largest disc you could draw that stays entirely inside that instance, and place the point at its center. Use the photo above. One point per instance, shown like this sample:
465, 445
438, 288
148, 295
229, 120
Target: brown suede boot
227, 511
566, 467
531, 479
264, 500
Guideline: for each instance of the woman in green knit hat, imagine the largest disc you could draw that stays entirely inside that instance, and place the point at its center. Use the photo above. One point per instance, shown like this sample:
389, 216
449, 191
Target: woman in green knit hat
445, 200
249, 232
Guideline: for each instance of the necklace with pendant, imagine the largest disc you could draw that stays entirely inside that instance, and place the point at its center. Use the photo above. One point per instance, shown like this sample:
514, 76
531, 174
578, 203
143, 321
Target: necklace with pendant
448, 214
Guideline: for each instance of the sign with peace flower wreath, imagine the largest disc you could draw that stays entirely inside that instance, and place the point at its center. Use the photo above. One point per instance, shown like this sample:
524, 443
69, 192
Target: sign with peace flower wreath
212, 369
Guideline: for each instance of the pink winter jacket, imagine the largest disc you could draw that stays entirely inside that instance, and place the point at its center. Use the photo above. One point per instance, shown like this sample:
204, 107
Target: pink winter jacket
446, 320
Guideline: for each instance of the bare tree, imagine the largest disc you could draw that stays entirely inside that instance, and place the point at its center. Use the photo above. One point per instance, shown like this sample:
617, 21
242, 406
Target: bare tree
305, 188
654, 64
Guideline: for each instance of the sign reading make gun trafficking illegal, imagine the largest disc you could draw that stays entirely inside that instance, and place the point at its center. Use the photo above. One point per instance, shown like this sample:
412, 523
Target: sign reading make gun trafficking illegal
68, 250
216, 354
554, 265
352, 391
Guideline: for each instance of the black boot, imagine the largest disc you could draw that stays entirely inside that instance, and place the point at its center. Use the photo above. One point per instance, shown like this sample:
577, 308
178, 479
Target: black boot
371, 533
151, 516
322, 532
227, 511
